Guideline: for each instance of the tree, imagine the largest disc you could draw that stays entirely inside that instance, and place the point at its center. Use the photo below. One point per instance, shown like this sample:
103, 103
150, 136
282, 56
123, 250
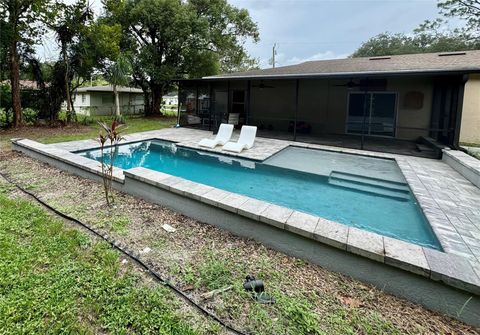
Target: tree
69, 24
22, 28
431, 36
175, 39
119, 75
4, 44
467, 10
426, 38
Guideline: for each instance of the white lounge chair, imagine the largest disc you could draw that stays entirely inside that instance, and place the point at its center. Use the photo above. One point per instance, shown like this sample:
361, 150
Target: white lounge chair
245, 141
223, 136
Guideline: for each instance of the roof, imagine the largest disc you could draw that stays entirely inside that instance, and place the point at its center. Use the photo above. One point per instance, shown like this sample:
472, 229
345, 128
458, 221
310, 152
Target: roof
26, 84
455, 62
109, 88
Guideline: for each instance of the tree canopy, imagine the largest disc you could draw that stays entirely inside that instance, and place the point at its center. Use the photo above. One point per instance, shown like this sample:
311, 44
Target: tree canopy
431, 36
21, 27
173, 39
398, 44
467, 10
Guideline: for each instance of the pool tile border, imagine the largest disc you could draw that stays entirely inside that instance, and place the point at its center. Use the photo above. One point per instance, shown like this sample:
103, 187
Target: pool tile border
452, 270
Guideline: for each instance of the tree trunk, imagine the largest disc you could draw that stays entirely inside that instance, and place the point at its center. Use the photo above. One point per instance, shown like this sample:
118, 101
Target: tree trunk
15, 83
73, 113
146, 101
117, 101
157, 93
67, 84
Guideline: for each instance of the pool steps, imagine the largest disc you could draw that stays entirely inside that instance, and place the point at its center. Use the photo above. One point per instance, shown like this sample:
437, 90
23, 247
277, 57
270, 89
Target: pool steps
375, 186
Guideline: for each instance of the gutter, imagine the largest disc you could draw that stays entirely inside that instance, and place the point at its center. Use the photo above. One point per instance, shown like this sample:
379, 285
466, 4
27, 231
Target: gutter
335, 75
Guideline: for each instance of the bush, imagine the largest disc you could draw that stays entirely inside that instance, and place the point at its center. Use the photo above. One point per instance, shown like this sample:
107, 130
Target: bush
5, 105
3, 118
30, 116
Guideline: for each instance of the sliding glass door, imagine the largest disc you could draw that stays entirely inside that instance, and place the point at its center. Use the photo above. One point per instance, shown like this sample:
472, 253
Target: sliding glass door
372, 113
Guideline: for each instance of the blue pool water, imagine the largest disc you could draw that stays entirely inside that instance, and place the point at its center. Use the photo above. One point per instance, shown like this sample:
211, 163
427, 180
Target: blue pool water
345, 200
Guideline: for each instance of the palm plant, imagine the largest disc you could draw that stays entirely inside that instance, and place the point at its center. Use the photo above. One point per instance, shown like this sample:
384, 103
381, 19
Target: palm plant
109, 136
119, 75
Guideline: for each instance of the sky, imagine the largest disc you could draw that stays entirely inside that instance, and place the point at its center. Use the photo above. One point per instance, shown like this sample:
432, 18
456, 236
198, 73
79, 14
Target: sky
321, 29
315, 29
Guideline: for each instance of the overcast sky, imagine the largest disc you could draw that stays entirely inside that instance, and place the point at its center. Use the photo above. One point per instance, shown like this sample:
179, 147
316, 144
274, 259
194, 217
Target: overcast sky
316, 29
322, 29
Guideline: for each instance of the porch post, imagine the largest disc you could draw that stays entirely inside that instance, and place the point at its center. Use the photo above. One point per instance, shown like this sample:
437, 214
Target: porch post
178, 104
228, 99
196, 98
247, 100
297, 83
459, 110
210, 99
362, 141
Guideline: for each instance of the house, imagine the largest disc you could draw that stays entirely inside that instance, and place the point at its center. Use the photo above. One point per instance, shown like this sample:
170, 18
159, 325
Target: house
100, 100
26, 85
170, 99
390, 99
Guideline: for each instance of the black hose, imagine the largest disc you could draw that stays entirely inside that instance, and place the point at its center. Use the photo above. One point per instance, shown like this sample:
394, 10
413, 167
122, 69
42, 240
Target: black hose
128, 253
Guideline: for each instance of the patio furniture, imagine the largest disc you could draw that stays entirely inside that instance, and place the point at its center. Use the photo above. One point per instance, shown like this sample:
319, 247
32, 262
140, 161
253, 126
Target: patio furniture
245, 141
223, 136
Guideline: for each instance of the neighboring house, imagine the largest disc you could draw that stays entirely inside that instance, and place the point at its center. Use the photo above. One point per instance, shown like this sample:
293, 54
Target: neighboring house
26, 85
100, 100
170, 99
403, 97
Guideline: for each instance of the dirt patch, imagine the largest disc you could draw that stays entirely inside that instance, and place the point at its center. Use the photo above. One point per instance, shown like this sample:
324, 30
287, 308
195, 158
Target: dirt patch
199, 258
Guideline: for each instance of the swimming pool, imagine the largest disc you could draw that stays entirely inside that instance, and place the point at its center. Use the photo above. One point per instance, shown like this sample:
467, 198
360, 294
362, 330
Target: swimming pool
379, 205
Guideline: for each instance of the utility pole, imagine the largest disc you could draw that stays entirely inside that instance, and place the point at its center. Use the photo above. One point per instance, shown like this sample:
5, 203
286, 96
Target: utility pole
274, 52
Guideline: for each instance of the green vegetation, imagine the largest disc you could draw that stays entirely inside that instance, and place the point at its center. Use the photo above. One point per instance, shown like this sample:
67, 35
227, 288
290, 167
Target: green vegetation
59, 280
134, 124
432, 36
293, 313
87, 128
146, 43
169, 110
172, 39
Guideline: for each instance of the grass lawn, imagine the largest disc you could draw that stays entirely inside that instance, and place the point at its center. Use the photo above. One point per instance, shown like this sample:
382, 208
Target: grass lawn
56, 279
80, 131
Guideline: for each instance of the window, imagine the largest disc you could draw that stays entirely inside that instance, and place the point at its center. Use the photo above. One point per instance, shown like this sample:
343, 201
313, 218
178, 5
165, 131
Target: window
107, 99
83, 98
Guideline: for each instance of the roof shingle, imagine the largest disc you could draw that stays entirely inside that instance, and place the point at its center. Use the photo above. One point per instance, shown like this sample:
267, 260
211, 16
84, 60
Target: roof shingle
464, 61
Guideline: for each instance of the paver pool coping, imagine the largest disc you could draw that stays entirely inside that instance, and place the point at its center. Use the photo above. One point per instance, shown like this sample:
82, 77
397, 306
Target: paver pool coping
452, 270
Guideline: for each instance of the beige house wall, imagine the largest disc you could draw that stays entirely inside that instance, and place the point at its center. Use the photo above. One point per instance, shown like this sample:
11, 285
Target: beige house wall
323, 105
408, 117
273, 107
470, 126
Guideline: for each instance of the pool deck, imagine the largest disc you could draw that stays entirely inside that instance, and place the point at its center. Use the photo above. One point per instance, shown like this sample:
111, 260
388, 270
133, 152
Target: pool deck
448, 200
